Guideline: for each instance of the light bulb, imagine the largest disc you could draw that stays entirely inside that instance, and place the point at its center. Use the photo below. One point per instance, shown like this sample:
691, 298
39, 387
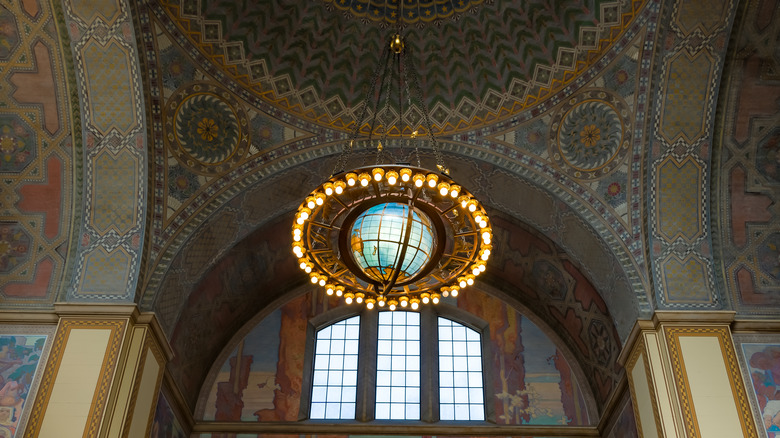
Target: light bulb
432, 180
378, 173
314, 279
426, 297
351, 179
329, 289
369, 304
339, 187
454, 190
310, 202
328, 187
406, 175
454, 293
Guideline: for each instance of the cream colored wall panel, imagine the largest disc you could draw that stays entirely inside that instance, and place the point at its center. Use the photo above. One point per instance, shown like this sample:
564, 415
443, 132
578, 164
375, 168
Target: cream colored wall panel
711, 392
74, 388
147, 391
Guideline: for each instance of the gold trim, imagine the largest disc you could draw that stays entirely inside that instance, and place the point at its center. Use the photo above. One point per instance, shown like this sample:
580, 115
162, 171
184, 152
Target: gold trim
673, 335
107, 369
640, 349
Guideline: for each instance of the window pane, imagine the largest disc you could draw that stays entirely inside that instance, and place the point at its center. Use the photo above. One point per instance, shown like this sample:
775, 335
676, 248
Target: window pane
398, 366
460, 372
335, 373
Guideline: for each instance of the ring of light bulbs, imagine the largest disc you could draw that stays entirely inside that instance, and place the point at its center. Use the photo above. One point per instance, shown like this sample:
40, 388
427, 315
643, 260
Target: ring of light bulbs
323, 219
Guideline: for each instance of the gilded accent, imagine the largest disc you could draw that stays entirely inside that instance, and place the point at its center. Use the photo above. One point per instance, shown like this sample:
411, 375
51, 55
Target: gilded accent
117, 328
673, 335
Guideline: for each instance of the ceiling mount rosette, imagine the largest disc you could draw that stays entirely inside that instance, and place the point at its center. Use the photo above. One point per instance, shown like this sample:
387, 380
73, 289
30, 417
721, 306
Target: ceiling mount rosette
392, 235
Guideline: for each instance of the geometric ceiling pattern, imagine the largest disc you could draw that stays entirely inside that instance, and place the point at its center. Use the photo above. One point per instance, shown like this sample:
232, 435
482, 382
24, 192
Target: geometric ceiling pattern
494, 61
166, 136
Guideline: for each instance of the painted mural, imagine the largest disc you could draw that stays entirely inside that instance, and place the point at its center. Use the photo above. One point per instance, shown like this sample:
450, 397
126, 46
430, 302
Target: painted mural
261, 378
166, 424
19, 359
763, 364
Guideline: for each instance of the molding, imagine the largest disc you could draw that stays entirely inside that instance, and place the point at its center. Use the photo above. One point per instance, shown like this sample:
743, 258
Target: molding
90, 311
633, 338
697, 317
748, 326
677, 317
381, 428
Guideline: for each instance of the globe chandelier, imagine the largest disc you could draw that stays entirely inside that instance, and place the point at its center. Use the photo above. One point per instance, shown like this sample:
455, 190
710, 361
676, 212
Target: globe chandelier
392, 235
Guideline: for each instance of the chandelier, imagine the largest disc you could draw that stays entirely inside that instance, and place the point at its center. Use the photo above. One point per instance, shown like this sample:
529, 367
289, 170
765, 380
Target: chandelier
392, 234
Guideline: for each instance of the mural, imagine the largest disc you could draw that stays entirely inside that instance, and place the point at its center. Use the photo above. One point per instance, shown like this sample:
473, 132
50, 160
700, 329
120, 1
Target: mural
19, 359
533, 382
166, 424
763, 365
261, 378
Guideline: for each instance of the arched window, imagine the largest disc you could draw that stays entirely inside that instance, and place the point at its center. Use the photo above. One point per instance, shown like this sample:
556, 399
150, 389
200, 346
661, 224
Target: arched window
397, 366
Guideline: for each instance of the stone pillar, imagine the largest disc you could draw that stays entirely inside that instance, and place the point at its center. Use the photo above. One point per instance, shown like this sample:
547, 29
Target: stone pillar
103, 375
684, 377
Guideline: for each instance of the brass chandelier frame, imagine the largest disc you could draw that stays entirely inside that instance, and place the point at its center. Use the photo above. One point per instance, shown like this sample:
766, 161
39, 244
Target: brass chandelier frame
461, 229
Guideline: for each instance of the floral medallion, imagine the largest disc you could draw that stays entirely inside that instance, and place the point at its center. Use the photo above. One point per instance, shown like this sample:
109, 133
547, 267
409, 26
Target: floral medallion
206, 128
590, 134
14, 246
18, 144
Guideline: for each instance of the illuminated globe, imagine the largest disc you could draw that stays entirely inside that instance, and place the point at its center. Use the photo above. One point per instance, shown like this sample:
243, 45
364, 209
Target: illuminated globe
377, 241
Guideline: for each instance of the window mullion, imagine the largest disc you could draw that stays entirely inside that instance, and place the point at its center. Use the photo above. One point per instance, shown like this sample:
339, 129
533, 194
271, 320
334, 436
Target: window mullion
429, 365
366, 388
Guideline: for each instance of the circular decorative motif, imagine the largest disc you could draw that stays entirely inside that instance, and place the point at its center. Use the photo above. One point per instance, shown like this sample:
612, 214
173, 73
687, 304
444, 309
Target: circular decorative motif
377, 241
9, 34
206, 128
18, 144
14, 246
590, 134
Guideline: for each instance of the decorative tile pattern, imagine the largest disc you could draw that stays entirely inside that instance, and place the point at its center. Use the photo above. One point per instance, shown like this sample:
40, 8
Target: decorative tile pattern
549, 59
104, 272
113, 175
109, 86
688, 72
687, 98
747, 184
111, 104
39, 155
686, 280
680, 199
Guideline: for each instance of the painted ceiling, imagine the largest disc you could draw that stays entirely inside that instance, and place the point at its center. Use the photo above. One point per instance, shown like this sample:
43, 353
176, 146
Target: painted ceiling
153, 152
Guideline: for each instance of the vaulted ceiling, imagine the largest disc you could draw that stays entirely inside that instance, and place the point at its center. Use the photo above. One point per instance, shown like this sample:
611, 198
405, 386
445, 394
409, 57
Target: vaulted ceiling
670, 207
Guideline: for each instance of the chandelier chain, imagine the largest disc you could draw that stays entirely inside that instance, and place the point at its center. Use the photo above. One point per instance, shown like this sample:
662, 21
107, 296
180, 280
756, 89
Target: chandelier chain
428, 126
341, 163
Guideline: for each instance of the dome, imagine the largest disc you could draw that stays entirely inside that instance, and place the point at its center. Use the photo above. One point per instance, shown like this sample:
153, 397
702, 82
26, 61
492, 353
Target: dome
377, 240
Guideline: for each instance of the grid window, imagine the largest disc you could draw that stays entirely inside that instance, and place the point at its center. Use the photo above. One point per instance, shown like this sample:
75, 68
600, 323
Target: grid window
398, 366
460, 372
334, 384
